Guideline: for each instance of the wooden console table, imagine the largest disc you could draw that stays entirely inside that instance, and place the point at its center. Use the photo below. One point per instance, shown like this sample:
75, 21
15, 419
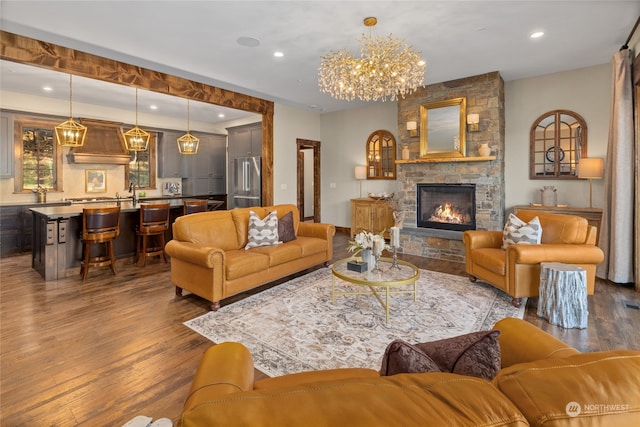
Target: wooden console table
593, 215
371, 215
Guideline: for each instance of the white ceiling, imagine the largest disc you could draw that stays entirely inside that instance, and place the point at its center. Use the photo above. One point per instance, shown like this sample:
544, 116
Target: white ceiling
198, 40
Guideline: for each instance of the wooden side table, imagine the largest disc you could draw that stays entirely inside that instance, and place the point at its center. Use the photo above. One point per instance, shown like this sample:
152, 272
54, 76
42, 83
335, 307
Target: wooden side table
563, 295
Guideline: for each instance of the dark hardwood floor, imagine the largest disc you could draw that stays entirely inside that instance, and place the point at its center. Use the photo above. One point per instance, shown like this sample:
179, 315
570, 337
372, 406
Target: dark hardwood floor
100, 352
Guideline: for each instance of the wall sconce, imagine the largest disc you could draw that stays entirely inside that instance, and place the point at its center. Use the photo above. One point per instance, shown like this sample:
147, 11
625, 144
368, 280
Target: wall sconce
412, 127
361, 174
473, 122
590, 168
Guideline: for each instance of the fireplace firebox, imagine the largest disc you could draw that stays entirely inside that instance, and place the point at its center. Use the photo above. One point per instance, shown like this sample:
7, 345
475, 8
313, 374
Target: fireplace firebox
447, 206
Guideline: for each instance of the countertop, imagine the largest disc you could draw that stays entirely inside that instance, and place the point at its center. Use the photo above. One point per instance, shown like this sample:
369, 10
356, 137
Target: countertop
68, 211
142, 200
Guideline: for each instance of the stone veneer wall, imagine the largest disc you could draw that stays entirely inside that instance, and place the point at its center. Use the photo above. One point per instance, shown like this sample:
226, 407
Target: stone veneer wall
485, 96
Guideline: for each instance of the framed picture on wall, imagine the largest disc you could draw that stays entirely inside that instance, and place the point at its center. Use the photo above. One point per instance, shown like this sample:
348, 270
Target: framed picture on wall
95, 181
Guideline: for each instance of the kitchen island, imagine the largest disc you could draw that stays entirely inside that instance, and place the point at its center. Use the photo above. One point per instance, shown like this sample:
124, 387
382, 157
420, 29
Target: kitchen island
57, 234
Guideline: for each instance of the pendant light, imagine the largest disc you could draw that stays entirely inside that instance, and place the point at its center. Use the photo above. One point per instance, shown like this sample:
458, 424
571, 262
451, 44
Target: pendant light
70, 133
136, 139
187, 143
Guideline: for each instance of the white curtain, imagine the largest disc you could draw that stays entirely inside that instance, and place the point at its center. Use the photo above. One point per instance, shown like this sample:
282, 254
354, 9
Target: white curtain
617, 231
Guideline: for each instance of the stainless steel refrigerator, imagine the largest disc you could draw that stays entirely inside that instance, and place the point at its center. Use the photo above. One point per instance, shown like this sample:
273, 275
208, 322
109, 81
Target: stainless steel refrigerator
246, 187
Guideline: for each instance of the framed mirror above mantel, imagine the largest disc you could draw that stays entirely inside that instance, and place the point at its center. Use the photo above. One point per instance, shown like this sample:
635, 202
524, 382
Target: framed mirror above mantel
442, 129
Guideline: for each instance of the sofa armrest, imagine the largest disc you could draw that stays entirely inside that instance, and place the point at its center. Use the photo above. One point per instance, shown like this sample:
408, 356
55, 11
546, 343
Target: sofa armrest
568, 254
224, 369
475, 239
521, 342
203, 256
315, 229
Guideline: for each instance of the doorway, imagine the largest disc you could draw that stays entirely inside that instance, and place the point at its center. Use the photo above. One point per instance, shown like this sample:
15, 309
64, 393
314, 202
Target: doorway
308, 174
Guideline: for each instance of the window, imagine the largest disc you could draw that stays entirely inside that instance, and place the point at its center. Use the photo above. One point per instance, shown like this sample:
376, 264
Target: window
141, 170
558, 141
381, 155
38, 162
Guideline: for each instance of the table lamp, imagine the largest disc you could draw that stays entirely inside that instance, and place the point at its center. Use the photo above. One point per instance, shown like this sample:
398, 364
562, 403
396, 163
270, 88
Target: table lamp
590, 168
361, 174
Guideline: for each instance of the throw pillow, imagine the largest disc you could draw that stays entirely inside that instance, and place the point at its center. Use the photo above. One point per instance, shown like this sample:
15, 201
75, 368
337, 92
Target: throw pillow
401, 357
262, 232
516, 231
476, 354
285, 228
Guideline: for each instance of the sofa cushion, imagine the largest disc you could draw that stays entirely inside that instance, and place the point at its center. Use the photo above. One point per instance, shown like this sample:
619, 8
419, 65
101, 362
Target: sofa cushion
599, 388
215, 229
240, 263
400, 357
262, 231
310, 245
279, 254
286, 231
516, 231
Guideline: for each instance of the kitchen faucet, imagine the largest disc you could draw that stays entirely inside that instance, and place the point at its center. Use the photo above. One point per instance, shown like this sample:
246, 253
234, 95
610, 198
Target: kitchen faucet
132, 188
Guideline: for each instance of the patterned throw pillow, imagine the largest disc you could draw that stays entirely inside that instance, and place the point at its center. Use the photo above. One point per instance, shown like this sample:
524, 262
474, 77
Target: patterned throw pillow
285, 228
516, 231
476, 354
262, 232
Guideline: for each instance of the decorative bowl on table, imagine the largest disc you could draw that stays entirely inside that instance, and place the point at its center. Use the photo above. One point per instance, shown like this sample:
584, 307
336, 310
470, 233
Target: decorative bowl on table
381, 196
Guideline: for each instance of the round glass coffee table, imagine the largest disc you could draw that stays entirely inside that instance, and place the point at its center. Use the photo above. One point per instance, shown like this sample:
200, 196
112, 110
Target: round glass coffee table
392, 280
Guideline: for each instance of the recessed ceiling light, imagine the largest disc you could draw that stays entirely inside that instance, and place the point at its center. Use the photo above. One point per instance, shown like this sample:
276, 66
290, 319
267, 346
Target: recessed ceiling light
47, 88
278, 54
153, 107
536, 35
220, 115
248, 41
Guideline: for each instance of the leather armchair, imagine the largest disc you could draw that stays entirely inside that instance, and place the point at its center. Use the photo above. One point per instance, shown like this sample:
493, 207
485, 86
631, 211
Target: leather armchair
567, 239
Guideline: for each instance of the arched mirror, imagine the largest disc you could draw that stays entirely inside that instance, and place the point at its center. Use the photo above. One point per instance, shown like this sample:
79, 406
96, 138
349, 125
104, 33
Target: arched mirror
381, 155
558, 141
442, 128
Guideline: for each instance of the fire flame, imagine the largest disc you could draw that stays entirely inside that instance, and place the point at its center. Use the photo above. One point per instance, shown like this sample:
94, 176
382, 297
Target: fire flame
447, 213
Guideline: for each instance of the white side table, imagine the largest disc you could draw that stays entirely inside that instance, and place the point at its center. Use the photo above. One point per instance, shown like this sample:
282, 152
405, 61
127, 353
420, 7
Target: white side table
563, 295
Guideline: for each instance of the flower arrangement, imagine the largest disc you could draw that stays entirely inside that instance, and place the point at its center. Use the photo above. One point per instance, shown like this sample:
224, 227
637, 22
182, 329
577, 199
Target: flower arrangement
364, 240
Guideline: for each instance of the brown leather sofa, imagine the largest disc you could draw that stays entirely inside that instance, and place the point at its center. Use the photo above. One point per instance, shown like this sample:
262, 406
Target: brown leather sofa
543, 382
566, 239
208, 257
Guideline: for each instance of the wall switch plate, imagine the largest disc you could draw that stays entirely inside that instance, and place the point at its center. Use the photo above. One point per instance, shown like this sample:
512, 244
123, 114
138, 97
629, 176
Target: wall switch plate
332, 185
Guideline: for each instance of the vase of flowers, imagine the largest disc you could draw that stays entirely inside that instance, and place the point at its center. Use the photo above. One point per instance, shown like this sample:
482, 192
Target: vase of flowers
363, 244
41, 194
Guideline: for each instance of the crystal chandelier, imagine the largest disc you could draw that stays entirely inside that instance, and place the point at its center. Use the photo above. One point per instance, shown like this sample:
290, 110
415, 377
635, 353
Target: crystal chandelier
136, 139
187, 143
387, 68
70, 133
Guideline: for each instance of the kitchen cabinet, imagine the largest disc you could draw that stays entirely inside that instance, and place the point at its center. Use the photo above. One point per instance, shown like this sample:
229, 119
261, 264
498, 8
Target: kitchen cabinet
16, 228
207, 171
171, 164
371, 215
6, 146
245, 141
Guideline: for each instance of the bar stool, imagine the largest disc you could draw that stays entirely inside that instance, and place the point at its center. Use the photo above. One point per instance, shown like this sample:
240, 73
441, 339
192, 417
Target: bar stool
193, 206
99, 225
154, 221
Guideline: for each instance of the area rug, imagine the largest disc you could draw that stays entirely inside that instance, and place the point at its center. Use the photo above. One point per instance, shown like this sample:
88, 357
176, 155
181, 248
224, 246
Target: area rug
294, 326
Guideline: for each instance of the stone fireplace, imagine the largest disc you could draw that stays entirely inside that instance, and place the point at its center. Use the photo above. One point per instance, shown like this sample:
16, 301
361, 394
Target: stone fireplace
446, 206
485, 96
